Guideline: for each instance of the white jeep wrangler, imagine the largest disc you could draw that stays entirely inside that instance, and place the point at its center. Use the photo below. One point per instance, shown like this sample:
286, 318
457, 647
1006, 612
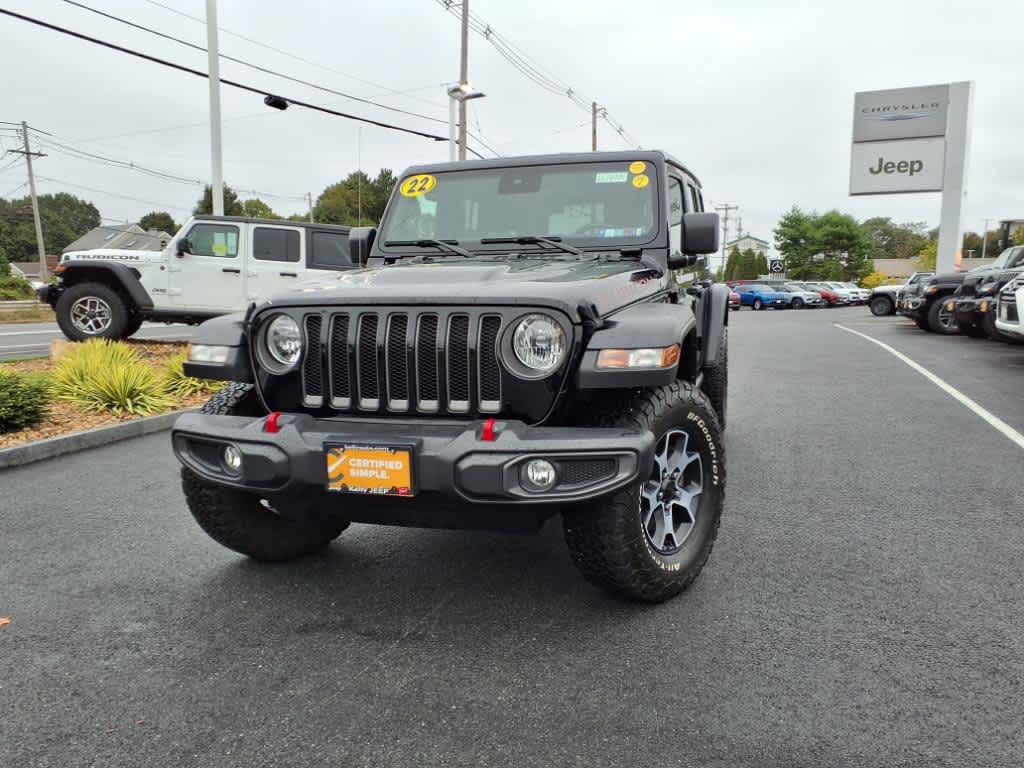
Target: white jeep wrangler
213, 266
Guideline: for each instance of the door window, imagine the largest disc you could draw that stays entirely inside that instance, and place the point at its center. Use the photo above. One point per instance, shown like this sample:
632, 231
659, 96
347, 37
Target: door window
214, 240
270, 244
675, 215
329, 250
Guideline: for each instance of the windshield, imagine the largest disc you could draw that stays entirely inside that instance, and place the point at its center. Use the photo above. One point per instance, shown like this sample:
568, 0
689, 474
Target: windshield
587, 204
1011, 257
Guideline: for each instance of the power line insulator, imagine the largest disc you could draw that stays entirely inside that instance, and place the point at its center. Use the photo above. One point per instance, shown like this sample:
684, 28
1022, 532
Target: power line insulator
276, 102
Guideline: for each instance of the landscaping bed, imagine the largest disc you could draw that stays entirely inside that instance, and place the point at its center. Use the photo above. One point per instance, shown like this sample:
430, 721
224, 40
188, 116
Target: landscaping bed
92, 385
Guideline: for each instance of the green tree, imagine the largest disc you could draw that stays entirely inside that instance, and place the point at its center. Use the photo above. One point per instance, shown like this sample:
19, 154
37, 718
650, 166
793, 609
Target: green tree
257, 209
64, 218
232, 205
795, 240
356, 200
5, 265
159, 220
1018, 236
732, 266
927, 257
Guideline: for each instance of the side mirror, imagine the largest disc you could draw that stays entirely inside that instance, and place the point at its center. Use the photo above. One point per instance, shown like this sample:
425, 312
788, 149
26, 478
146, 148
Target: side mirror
700, 236
183, 247
360, 240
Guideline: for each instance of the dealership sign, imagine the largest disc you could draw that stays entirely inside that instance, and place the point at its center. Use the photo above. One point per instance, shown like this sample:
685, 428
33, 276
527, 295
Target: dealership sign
881, 167
915, 140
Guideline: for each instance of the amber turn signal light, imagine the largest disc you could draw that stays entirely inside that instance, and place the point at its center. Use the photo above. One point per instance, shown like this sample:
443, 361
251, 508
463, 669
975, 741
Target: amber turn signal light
651, 357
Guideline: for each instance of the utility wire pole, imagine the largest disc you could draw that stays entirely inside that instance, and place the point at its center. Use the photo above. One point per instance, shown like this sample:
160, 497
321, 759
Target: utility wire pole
463, 78
725, 209
984, 238
29, 154
213, 56
309, 201
593, 126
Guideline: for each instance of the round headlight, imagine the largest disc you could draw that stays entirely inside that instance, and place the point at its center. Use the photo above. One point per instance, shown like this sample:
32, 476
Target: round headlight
539, 343
284, 340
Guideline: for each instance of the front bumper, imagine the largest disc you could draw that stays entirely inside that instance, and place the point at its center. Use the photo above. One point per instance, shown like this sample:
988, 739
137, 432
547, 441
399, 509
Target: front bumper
972, 309
1009, 317
450, 460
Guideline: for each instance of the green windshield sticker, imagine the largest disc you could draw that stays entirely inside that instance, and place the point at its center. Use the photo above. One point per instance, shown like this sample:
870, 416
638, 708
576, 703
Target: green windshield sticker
612, 177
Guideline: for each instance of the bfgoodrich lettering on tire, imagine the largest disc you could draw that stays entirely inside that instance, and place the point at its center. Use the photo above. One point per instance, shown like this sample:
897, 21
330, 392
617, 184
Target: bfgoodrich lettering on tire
650, 541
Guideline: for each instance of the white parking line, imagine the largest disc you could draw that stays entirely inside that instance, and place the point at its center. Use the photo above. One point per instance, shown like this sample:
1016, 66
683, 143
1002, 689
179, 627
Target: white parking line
994, 421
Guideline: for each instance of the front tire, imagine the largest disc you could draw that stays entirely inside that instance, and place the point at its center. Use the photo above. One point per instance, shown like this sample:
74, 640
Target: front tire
91, 311
758, 304
882, 306
940, 319
648, 542
240, 520
798, 303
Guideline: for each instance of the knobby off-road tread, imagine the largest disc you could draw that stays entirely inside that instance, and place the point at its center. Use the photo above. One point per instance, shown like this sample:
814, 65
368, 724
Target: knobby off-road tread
605, 536
237, 519
716, 380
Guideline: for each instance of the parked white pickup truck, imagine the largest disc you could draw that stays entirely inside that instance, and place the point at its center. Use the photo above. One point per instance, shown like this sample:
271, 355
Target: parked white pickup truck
214, 265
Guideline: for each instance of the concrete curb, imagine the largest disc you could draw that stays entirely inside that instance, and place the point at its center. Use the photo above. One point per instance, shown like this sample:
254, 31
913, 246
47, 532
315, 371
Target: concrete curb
51, 447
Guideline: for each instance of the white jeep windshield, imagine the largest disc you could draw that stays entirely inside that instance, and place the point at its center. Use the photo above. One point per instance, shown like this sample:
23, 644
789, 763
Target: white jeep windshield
586, 204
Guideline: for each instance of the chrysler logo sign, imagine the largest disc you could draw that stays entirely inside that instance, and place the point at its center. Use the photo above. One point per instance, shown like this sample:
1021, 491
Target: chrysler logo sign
905, 113
894, 112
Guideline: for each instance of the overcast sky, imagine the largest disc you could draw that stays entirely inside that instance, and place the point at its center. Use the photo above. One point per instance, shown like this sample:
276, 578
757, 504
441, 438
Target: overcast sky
755, 97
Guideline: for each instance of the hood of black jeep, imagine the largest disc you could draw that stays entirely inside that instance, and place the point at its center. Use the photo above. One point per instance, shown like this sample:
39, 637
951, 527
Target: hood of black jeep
559, 283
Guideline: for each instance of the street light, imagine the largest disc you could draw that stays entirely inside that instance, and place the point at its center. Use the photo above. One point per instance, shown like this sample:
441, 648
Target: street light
458, 94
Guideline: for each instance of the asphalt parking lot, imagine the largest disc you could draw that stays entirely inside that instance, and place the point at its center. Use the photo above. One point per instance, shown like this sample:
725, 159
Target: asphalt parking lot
862, 606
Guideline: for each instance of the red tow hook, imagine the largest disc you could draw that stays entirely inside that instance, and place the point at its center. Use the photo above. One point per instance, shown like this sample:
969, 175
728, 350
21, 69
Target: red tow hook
270, 424
487, 432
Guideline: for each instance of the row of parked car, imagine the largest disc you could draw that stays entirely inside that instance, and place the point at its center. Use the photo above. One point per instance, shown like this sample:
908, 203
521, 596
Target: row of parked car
982, 303
795, 294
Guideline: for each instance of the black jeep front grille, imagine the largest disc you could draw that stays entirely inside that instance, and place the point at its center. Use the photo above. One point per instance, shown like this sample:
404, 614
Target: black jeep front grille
429, 362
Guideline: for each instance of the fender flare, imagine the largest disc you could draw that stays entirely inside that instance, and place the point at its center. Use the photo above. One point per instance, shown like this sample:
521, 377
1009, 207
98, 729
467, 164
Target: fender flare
229, 331
714, 312
634, 327
76, 271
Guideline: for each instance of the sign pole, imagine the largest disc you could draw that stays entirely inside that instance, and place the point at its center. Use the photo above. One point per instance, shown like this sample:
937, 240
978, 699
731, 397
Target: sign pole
954, 191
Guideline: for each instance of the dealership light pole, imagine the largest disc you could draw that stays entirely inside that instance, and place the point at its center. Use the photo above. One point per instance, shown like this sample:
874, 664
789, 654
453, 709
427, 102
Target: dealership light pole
217, 188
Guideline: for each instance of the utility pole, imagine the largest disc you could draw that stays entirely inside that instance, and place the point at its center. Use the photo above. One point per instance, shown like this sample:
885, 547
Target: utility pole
984, 238
213, 54
725, 209
40, 245
309, 201
463, 78
593, 126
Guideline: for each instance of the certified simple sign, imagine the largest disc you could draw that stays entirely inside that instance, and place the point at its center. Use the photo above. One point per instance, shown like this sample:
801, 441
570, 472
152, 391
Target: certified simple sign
902, 113
914, 165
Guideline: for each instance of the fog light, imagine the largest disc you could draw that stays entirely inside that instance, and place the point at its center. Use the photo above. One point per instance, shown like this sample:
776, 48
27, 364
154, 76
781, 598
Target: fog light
538, 475
232, 458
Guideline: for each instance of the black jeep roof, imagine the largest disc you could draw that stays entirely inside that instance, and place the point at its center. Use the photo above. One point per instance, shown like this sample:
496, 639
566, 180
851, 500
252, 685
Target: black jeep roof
651, 155
275, 222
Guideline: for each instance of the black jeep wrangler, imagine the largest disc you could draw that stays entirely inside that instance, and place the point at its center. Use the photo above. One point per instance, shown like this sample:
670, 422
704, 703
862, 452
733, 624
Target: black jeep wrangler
927, 302
518, 345
975, 300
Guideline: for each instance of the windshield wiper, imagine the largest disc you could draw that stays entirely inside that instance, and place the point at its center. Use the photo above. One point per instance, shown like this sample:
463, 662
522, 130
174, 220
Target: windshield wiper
449, 246
554, 242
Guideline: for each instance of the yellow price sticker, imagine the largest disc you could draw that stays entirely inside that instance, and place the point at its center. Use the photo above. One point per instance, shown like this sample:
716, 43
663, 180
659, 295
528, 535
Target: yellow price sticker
417, 185
637, 166
641, 181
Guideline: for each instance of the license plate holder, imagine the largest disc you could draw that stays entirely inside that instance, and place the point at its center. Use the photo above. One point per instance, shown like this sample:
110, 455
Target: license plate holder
370, 469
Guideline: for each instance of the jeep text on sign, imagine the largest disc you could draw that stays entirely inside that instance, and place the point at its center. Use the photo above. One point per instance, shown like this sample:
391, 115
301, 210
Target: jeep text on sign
880, 167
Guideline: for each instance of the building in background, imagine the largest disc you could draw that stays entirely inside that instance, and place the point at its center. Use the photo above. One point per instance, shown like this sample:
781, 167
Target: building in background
749, 242
129, 237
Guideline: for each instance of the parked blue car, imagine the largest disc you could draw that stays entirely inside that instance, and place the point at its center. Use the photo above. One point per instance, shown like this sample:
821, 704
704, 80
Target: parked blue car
761, 296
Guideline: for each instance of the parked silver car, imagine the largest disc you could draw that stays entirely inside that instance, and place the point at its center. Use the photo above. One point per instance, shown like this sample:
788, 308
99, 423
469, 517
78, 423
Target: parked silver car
801, 297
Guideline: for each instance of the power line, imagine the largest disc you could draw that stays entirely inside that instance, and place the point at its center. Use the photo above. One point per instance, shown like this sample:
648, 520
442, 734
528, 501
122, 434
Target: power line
112, 194
8, 194
257, 67
204, 75
293, 56
530, 69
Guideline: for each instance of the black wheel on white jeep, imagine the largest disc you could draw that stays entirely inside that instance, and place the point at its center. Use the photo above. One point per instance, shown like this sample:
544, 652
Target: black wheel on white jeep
92, 311
243, 521
649, 541
882, 306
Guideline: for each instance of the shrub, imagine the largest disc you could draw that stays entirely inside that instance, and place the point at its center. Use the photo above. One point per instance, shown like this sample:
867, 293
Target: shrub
103, 375
15, 288
24, 401
873, 280
180, 385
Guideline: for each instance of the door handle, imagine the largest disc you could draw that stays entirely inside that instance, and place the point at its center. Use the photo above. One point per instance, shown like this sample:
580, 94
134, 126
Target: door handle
288, 274
232, 269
